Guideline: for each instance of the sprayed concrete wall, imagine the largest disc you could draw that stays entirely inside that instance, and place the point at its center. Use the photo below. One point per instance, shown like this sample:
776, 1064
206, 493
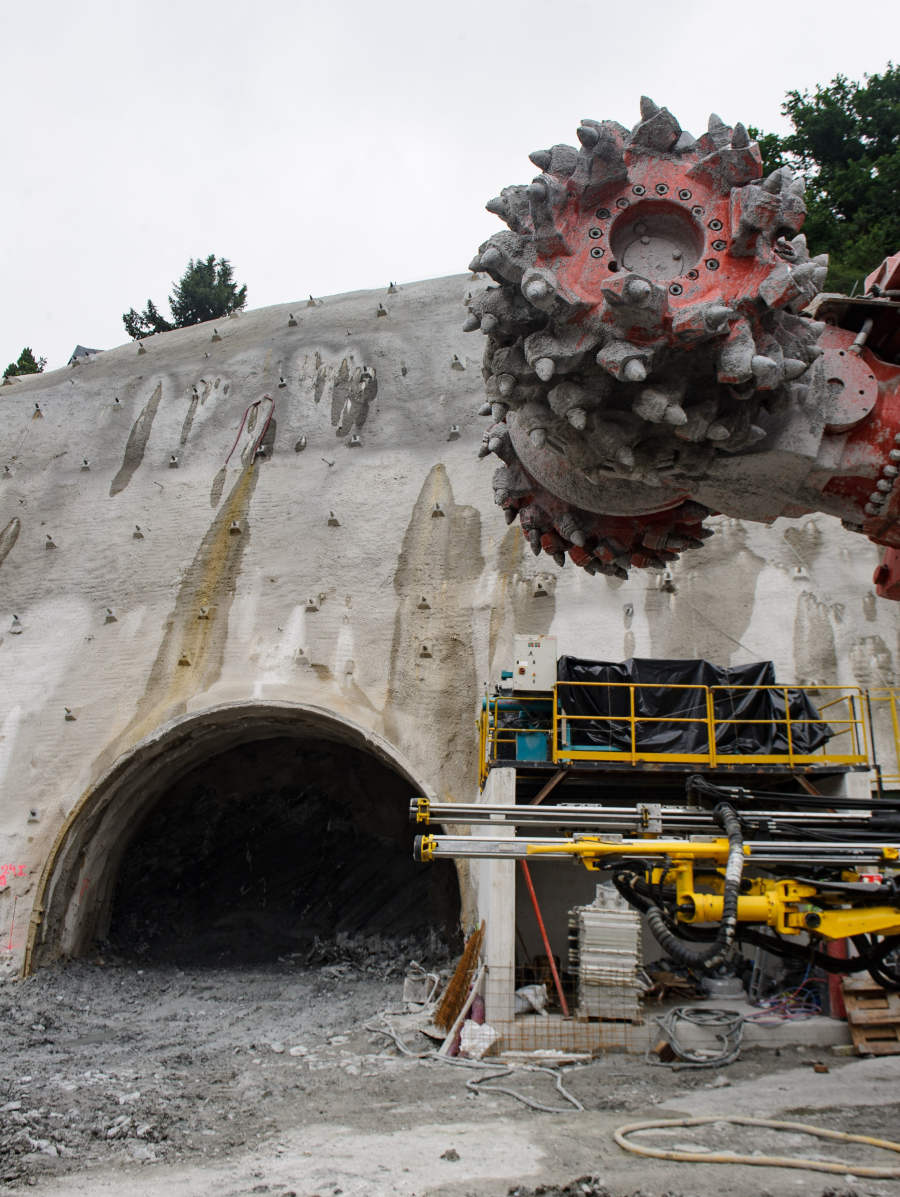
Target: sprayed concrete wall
160, 599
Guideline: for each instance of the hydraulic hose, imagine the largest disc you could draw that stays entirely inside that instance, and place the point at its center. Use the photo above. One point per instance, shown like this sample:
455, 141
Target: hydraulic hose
712, 956
870, 958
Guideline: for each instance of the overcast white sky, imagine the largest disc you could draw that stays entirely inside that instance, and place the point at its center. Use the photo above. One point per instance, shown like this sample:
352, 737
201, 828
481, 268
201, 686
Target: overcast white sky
327, 147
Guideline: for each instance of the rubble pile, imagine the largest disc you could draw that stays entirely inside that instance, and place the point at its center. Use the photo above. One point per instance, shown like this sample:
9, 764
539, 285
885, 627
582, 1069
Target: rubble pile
373, 955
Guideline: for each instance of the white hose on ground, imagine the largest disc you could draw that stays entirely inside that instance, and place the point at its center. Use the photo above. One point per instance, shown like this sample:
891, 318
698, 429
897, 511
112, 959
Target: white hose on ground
477, 1083
760, 1161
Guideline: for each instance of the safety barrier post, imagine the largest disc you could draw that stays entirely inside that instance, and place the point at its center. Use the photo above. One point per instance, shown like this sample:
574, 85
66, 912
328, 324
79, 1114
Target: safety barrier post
892, 699
787, 723
710, 726
482, 741
554, 726
633, 726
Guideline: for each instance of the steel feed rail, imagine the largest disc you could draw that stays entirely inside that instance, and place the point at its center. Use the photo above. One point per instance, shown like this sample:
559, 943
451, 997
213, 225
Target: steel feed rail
591, 850
649, 817
682, 851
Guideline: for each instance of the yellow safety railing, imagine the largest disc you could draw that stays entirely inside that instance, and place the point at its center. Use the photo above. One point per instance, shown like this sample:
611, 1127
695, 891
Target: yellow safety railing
535, 728
885, 717
570, 746
844, 714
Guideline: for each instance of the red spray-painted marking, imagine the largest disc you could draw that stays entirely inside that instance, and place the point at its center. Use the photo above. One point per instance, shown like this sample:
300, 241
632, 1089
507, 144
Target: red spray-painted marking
84, 885
12, 924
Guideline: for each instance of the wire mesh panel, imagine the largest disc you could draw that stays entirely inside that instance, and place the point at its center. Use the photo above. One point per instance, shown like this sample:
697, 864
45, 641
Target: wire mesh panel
551, 1033
591, 1006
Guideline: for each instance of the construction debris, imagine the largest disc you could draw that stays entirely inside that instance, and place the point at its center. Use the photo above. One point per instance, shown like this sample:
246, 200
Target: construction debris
873, 1015
458, 989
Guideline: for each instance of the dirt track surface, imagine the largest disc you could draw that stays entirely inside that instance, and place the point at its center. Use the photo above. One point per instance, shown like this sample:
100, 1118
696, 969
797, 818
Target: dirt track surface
118, 1080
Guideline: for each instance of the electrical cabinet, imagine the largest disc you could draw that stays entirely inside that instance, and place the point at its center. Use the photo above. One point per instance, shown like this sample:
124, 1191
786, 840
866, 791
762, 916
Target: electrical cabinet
535, 663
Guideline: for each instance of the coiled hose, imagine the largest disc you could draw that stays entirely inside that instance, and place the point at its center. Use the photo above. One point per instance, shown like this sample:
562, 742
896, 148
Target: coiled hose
726, 1025
710, 957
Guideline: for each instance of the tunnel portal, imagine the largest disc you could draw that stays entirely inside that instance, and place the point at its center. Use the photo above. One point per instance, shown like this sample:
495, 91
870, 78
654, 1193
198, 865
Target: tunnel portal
243, 834
269, 847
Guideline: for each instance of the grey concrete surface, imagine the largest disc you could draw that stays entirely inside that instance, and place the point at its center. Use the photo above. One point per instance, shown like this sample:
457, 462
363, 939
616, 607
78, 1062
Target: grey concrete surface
856, 1083
790, 1034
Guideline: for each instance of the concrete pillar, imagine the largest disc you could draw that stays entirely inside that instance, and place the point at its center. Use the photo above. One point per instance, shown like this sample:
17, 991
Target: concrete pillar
845, 785
859, 785
497, 906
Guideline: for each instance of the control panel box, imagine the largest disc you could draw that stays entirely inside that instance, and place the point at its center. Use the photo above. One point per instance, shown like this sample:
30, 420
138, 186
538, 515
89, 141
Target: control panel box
535, 663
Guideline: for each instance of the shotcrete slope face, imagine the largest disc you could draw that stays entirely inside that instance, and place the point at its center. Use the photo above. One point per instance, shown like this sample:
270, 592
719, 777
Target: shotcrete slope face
229, 534
276, 531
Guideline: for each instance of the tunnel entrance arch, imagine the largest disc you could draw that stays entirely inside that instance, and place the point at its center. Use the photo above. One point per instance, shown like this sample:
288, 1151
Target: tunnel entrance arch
236, 834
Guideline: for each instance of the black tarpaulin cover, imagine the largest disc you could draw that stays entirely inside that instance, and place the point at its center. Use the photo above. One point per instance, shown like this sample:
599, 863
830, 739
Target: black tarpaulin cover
656, 694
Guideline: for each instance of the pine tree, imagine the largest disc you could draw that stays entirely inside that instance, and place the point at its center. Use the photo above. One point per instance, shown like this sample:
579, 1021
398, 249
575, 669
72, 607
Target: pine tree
206, 291
27, 364
144, 324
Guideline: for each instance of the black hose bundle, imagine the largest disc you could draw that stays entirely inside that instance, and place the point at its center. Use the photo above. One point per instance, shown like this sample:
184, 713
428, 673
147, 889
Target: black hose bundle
698, 784
710, 957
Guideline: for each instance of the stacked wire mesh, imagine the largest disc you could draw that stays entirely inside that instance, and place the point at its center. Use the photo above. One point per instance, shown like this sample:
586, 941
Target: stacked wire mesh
605, 953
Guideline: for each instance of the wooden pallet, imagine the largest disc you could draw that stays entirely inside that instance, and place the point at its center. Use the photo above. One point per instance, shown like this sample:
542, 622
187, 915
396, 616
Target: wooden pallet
873, 1015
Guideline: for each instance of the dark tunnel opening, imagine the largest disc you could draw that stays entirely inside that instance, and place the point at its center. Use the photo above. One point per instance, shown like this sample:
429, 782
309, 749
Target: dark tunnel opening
269, 849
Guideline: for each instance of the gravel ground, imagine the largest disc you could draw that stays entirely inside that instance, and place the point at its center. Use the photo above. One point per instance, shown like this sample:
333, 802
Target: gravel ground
121, 1079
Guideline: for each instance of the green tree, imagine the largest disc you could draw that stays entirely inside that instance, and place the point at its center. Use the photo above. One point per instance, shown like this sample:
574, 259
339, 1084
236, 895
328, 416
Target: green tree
26, 364
206, 291
846, 145
145, 323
